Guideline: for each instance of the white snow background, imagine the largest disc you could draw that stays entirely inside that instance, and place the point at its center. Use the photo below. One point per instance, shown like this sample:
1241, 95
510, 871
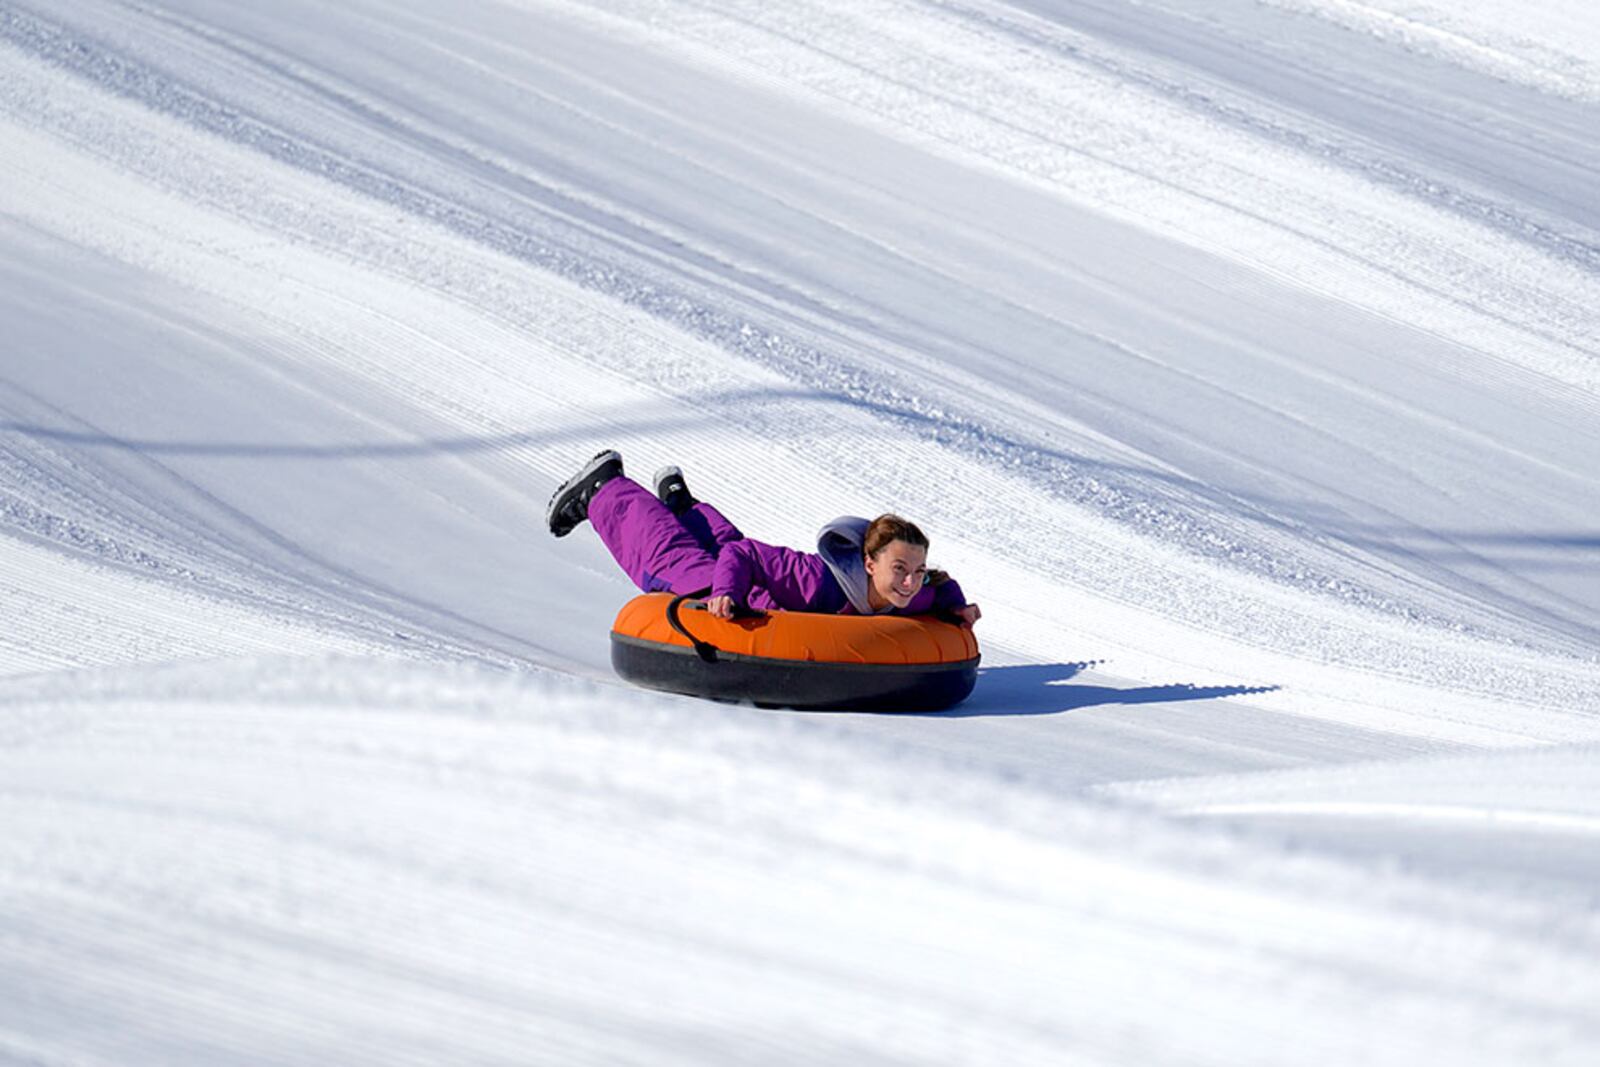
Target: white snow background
1241, 358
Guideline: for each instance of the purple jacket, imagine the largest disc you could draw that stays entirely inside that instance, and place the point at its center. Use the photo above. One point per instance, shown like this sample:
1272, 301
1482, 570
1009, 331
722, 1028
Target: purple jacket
768, 577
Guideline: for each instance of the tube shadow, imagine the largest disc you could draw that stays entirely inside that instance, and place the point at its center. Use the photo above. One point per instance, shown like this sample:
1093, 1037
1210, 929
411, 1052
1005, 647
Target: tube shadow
1041, 689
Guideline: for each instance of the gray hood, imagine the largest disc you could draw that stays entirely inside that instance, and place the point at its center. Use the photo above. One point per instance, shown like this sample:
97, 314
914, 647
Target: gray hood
839, 543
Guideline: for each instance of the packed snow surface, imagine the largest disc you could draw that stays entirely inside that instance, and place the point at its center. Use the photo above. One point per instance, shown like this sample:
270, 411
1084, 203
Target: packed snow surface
1242, 359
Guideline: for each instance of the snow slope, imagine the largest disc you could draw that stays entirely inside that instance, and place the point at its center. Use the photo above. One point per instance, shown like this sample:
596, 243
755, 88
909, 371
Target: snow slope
1240, 358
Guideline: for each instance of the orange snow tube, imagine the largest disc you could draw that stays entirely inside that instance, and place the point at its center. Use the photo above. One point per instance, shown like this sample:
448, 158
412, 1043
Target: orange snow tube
795, 659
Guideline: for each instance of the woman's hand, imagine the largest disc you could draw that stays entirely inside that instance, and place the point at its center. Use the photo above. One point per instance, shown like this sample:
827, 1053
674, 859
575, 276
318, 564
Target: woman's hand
720, 606
969, 614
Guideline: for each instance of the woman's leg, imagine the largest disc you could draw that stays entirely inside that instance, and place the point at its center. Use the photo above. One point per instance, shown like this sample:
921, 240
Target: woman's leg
709, 526
648, 541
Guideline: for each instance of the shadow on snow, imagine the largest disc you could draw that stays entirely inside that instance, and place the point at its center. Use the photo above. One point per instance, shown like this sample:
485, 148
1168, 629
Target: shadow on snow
1046, 689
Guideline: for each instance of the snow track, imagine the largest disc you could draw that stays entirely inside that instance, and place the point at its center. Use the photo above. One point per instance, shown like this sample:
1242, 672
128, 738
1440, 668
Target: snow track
1240, 358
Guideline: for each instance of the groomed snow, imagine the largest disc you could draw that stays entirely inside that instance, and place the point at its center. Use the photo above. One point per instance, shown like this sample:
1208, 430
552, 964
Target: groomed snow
1242, 360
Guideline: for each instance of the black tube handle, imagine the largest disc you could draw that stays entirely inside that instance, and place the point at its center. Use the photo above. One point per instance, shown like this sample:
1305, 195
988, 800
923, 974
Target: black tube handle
704, 649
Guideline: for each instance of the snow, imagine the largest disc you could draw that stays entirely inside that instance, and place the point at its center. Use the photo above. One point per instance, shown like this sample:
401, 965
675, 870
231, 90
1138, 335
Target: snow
1240, 359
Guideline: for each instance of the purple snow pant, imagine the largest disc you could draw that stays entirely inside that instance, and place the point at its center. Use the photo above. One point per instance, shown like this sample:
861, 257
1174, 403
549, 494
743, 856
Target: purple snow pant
658, 549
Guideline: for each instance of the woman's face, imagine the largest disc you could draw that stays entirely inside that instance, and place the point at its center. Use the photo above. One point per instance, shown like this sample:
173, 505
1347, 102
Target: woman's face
897, 572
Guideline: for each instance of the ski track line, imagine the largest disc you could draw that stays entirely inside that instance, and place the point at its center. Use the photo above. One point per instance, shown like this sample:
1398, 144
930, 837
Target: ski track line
1495, 818
1504, 51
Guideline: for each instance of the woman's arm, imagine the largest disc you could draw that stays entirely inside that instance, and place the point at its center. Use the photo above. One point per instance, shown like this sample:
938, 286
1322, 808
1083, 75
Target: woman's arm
776, 577
738, 570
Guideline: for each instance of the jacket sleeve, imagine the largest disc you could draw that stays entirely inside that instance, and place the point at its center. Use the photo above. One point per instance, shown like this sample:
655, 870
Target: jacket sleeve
946, 596
758, 575
738, 570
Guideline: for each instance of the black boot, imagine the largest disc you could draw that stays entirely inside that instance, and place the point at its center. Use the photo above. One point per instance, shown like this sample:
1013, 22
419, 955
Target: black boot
673, 490
570, 504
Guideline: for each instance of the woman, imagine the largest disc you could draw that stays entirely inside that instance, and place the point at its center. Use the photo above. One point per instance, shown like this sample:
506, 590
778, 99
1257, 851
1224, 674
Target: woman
667, 540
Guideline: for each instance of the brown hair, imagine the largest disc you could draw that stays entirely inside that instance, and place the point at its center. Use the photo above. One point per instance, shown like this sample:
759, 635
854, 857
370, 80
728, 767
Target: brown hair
885, 530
